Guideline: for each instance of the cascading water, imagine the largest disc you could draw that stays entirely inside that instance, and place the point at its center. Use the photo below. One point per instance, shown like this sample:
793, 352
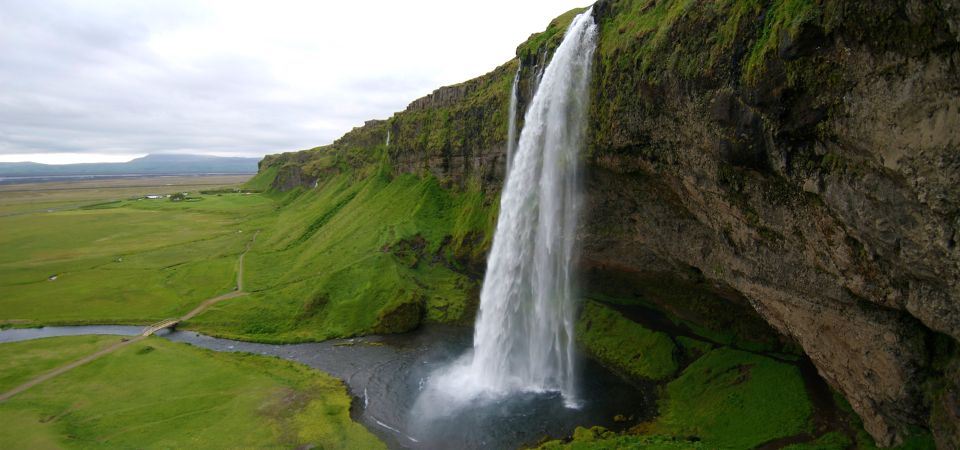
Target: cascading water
541, 66
387, 143
524, 335
512, 126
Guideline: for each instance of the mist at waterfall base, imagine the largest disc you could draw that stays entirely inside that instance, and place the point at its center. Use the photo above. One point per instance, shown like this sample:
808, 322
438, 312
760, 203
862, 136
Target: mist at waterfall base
524, 337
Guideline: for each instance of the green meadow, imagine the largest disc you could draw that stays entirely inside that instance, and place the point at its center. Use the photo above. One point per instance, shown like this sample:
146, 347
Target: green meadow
123, 261
22, 361
361, 253
159, 394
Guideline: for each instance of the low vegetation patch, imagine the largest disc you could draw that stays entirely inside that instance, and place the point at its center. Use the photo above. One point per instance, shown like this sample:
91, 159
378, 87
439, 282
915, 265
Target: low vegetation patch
179, 396
734, 399
624, 345
136, 261
599, 438
549, 38
829, 441
22, 361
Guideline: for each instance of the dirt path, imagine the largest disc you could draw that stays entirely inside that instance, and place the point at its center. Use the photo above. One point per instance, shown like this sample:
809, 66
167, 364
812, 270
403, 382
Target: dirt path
125, 342
6, 395
240, 262
208, 303
237, 293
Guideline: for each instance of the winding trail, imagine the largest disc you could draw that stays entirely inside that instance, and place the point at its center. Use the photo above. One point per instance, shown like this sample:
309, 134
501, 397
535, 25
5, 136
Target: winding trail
167, 323
53, 373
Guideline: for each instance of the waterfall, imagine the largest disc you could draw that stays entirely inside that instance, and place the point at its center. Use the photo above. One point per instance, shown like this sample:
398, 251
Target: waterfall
541, 66
512, 117
387, 143
524, 339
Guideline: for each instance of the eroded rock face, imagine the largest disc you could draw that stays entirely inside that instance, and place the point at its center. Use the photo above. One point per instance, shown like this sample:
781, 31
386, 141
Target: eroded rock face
872, 354
826, 192
456, 168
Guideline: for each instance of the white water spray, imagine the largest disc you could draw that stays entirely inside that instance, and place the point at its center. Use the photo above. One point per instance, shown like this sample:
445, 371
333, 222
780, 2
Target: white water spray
541, 66
512, 117
524, 333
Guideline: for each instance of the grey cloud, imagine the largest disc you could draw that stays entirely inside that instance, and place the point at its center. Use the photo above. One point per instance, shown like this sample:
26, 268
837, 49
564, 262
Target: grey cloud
76, 81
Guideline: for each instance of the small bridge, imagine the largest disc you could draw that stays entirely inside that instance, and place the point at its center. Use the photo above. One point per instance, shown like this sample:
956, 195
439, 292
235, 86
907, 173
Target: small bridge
165, 323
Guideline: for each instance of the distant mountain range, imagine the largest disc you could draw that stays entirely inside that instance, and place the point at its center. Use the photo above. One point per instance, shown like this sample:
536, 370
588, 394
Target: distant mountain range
147, 165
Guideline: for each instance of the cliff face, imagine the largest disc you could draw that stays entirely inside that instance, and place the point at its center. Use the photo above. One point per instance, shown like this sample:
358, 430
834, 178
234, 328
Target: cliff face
810, 163
802, 155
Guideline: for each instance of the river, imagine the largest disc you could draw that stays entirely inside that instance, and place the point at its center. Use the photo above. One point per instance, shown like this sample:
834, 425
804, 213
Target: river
385, 375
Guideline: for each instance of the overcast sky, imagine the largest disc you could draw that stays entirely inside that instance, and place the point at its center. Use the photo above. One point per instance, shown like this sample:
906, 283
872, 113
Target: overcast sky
84, 81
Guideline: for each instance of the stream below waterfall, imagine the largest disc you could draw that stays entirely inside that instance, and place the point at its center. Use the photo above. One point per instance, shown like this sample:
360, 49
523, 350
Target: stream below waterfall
385, 375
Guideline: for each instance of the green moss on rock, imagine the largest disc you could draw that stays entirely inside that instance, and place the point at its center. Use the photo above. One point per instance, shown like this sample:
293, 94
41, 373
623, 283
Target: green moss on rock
735, 399
726, 320
550, 38
401, 316
693, 348
599, 438
624, 345
783, 22
830, 441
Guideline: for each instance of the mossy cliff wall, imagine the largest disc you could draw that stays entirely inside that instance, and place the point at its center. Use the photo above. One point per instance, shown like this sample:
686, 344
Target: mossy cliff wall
803, 155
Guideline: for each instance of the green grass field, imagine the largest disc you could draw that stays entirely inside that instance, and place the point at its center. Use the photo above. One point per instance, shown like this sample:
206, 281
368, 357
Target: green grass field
130, 261
21, 361
352, 256
160, 394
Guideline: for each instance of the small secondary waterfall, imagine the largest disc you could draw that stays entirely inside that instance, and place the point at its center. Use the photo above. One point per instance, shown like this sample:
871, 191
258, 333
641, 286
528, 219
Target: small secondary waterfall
512, 117
524, 332
387, 143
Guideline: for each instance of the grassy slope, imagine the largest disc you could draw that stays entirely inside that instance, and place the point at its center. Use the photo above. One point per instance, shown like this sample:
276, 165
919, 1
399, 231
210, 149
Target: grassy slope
122, 262
339, 259
21, 361
643, 34
261, 181
549, 38
159, 394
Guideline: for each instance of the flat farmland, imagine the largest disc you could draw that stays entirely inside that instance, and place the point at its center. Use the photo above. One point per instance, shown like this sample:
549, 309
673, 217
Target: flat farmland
114, 257
39, 197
